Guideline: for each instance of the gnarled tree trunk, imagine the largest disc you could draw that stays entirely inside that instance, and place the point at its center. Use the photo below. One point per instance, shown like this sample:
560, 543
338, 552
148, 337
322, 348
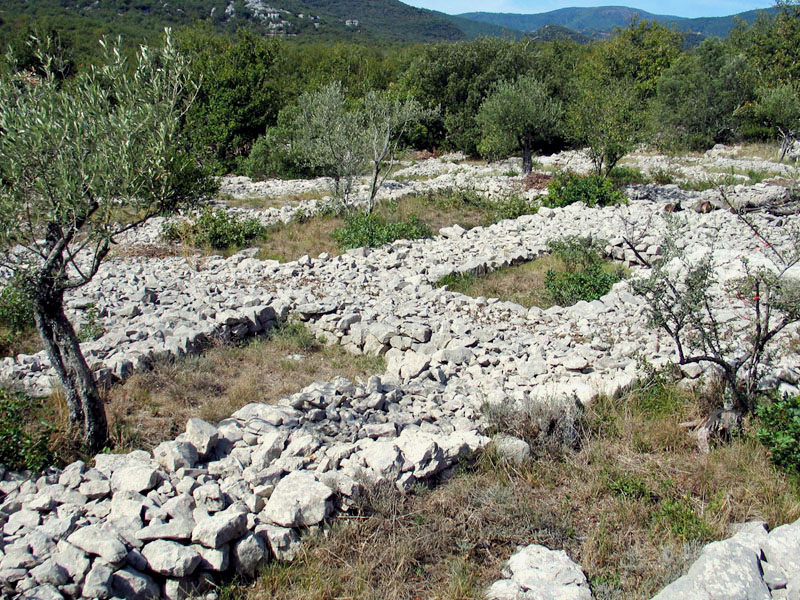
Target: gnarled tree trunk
86, 411
527, 162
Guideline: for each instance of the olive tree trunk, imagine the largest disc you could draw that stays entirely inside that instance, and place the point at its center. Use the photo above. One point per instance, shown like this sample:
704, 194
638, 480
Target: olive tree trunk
86, 412
527, 161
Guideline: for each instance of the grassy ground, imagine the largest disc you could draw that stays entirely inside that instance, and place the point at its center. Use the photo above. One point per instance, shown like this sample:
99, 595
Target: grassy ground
153, 406
436, 210
523, 284
632, 505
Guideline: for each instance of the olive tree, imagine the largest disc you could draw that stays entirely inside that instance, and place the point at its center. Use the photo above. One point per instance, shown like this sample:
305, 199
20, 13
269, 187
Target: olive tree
82, 162
346, 139
606, 117
386, 119
687, 299
329, 137
519, 115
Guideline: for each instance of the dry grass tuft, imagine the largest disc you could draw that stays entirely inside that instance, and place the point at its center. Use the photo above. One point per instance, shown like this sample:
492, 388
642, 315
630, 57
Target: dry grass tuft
150, 407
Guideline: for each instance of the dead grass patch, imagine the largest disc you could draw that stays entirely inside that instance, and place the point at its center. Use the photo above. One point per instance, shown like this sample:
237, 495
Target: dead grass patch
149, 251
439, 209
287, 242
633, 506
536, 181
150, 407
522, 284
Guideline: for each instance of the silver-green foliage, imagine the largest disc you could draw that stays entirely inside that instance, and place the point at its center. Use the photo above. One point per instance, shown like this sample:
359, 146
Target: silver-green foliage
348, 139
606, 118
686, 299
519, 115
81, 162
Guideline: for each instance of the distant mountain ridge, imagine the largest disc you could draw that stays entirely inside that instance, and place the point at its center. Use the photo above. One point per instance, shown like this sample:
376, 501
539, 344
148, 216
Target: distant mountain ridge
324, 20
601, 20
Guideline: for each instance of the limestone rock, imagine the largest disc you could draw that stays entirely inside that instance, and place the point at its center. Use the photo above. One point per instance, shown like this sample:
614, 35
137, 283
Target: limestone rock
299, 500
171, 558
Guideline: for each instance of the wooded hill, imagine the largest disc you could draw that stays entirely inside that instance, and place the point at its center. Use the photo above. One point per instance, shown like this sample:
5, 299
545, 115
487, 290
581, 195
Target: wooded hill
600, 21
307, 20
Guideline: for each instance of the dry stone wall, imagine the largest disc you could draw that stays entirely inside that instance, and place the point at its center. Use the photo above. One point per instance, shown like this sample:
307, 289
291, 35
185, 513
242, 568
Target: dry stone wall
227, 497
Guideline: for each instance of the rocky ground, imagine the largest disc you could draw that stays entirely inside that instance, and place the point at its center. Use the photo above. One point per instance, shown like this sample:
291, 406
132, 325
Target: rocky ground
229, 495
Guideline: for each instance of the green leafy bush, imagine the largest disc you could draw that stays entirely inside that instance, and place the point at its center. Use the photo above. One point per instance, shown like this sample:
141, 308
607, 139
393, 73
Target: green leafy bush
576, 252
216, 229
512, 207
568, 288
24, 438
626, 176
16, 310
584, 277
780, 430
662, 176
457, 282
568, 188
91, 327
680, 517
370, 230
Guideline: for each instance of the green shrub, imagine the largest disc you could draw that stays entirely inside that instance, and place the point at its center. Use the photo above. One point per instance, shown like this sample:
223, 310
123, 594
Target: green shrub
512, 207
584, 277
24, 438
568, 188
16, 309
629, 486
370, 230
456, 198
576, 252
626, 176
457, 282
681, 519
780, 430
568, 288
216, 229
273, 156
663, 176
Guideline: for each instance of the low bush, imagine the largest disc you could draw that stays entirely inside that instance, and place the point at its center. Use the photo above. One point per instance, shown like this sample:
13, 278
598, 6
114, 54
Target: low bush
593, 190
663, 176
584, 277
16, 310
372, 231
550, 429
215, 229
512, 207
577, 252
779, 430
24, 438
627, 176
17, 327
568, 288
91, 328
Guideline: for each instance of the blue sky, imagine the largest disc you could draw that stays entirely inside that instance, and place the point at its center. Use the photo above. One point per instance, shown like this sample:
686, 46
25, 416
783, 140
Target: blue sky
682, 8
